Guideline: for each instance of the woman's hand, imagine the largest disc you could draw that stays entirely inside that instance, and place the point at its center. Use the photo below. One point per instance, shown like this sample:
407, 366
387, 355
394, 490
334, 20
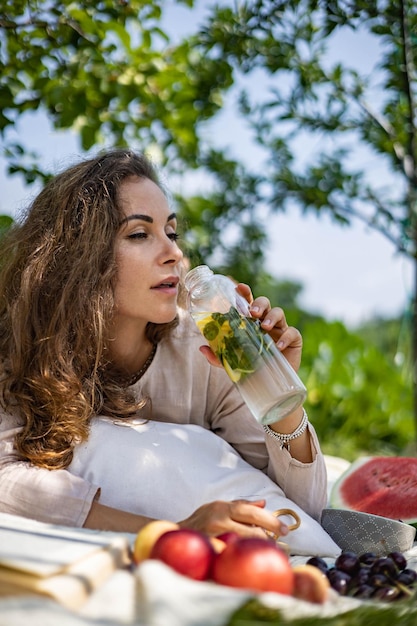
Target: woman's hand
288, 339
247, 518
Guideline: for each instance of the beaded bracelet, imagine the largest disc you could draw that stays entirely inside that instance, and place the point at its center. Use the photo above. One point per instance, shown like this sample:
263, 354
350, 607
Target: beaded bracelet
285, 439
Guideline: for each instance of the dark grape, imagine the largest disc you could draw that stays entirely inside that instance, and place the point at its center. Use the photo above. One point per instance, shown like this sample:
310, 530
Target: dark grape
339, 580
348, 562
407, 577
318, 562
367, 558
386, 566
362, 591
361, 577
378, 580
399, 559
387, 594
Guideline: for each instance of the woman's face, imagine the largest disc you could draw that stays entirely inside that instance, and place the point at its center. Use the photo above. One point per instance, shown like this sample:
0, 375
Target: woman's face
147, 255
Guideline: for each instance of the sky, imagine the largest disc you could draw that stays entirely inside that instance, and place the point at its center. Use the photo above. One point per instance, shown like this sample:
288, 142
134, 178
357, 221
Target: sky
348, 274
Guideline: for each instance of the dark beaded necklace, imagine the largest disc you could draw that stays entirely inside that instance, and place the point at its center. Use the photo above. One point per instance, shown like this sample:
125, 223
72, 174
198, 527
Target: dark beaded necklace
137, 375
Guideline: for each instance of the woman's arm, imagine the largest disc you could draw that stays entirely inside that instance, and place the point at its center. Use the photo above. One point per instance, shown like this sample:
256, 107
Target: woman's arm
51, 496
299, 469
244, 517
102, 517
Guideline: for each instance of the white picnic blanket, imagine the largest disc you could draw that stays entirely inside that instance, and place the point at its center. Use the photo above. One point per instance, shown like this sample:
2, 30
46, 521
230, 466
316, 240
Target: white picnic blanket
156, 596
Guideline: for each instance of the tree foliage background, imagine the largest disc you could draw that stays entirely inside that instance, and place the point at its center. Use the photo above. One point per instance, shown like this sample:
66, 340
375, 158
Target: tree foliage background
110, 71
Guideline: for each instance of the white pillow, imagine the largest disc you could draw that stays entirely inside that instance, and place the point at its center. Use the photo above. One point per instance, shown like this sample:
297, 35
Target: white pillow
166, 471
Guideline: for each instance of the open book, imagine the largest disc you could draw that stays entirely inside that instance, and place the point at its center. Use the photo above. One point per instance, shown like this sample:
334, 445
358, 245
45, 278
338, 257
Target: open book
65, 564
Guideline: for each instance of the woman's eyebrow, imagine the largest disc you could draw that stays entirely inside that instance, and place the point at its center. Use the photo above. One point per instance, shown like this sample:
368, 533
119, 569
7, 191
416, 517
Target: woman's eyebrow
145, 218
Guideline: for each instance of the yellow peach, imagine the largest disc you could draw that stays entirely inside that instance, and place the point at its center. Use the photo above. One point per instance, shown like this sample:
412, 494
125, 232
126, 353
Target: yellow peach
310, 584
147, 537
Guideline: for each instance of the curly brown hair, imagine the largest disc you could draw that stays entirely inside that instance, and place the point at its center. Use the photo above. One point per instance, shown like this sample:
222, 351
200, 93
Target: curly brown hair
57, 274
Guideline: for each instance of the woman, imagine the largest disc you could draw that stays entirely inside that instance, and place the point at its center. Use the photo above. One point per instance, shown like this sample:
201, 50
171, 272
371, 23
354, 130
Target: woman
90, 325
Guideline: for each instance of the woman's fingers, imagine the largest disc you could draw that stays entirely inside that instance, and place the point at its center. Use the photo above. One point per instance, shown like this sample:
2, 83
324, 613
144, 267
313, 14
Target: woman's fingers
210, 356
253, 517
248, 519
260, 308
273, 321
245, 291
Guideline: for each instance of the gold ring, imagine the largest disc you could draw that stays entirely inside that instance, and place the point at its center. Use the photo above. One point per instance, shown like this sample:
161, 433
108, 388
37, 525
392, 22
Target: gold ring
280, 512
293, 514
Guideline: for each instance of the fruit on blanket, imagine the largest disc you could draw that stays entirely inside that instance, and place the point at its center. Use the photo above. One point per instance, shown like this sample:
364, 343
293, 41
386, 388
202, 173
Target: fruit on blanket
385, 486
187, 551
370, 577
228, 536
254, 563
310, 584
147, 537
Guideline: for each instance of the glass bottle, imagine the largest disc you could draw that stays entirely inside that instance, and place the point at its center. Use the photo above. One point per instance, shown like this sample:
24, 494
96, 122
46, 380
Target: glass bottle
267, 382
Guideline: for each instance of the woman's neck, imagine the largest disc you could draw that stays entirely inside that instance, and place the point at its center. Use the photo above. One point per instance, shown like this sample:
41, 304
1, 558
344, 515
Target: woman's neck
130, 349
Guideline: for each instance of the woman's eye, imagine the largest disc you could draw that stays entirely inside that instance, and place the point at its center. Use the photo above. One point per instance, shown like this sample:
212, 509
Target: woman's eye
142, 235
138, 236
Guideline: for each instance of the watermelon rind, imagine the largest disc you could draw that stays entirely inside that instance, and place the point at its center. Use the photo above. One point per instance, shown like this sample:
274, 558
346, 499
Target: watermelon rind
380, 485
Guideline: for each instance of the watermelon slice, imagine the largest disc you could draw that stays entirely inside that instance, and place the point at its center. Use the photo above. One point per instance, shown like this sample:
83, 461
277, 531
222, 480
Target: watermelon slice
385, 486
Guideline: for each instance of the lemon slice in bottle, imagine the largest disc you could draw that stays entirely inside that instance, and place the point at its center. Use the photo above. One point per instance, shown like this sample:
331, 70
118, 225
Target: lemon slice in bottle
202, 322
234, 375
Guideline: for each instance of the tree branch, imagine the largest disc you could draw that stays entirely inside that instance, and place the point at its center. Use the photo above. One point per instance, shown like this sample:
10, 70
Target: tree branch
352, 212
11, 25
409, 72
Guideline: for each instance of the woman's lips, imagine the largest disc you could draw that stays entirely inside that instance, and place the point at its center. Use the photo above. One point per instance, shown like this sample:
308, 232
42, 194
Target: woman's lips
167, 285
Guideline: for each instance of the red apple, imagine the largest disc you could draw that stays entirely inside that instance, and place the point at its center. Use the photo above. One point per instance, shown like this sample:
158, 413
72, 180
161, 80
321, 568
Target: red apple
228, 536
187, 551
254, 563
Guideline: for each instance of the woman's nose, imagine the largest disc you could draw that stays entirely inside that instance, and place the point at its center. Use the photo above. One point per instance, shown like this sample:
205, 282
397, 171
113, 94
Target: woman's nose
173, 253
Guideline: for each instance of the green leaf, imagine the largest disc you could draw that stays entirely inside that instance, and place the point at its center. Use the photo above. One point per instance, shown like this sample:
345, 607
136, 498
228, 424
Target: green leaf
254, 613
